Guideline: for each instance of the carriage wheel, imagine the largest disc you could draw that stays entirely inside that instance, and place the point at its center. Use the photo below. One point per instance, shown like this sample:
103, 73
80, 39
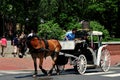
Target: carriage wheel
105, 60
81, 64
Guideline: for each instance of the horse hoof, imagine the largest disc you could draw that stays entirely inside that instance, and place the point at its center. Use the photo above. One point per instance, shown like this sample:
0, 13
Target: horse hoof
44, 71
34, 76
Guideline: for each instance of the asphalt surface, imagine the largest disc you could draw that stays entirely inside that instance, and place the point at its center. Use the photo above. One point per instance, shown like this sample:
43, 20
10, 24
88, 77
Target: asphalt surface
69, 74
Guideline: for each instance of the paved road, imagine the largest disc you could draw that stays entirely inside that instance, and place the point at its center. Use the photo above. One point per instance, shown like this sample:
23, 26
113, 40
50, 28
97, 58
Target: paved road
69, 74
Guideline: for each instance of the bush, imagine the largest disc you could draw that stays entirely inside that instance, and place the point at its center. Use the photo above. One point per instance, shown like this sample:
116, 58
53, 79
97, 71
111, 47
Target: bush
95, 26
50, 30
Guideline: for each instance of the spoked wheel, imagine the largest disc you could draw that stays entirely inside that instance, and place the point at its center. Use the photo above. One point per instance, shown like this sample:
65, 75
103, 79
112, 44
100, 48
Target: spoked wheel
105, 60
81, 64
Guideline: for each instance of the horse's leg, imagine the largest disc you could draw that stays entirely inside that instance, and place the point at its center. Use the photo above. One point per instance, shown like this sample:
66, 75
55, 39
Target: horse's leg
54, 58
35, 66
51, 70
40, 64
57, 70
57, 67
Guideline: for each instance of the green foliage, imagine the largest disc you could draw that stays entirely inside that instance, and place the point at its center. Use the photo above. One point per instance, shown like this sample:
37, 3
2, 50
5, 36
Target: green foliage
50, 30
72, 25
69, 22
95, 26
67, 13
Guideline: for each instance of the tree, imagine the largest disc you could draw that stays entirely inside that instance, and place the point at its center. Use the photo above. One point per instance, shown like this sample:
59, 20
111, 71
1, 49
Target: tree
50, 30
64, 12
104, 12
95, 26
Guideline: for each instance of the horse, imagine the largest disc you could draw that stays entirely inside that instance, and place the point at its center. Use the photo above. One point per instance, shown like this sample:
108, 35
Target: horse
40, 48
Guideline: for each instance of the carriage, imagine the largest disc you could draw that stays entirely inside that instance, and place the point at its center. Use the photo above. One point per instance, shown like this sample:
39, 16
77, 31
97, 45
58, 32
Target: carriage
84, 53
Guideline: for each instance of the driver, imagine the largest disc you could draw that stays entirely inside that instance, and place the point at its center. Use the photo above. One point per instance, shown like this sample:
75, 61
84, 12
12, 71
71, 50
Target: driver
70, 35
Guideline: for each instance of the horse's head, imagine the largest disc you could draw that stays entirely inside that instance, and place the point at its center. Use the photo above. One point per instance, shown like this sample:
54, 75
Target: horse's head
31, 42
22, 47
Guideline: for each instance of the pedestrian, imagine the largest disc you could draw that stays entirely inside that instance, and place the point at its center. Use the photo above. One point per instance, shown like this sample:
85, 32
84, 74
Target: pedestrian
70, 35
15, 45
3, 45
22, 35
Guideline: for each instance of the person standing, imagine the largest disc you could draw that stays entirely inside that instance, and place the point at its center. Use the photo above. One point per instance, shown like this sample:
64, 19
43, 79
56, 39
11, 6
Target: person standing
22, 35
3, 45
15, 45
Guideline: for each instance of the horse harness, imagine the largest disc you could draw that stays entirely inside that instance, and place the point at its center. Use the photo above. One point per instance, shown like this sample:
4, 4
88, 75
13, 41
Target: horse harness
42, 49
46, 49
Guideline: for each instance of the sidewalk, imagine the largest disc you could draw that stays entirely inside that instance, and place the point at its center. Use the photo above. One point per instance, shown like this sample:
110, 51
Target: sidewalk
26, 63
15, 63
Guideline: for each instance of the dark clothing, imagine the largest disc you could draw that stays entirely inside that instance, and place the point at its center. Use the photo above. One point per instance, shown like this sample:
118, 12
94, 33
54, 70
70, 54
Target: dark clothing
15, 41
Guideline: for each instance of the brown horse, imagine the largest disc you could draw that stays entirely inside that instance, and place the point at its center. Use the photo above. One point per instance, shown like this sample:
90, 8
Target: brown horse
40, 48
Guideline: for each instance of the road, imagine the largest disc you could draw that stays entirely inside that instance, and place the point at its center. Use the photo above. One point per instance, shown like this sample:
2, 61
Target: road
22, 69
68, 74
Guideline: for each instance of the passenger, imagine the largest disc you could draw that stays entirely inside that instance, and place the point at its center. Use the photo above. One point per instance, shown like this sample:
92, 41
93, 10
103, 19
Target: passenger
70, 35
3, 45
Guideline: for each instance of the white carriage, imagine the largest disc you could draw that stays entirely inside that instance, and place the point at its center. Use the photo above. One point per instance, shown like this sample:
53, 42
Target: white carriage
83, 54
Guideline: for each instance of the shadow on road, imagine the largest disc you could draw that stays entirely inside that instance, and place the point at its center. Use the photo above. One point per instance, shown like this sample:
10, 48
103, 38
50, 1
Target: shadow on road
45, 77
